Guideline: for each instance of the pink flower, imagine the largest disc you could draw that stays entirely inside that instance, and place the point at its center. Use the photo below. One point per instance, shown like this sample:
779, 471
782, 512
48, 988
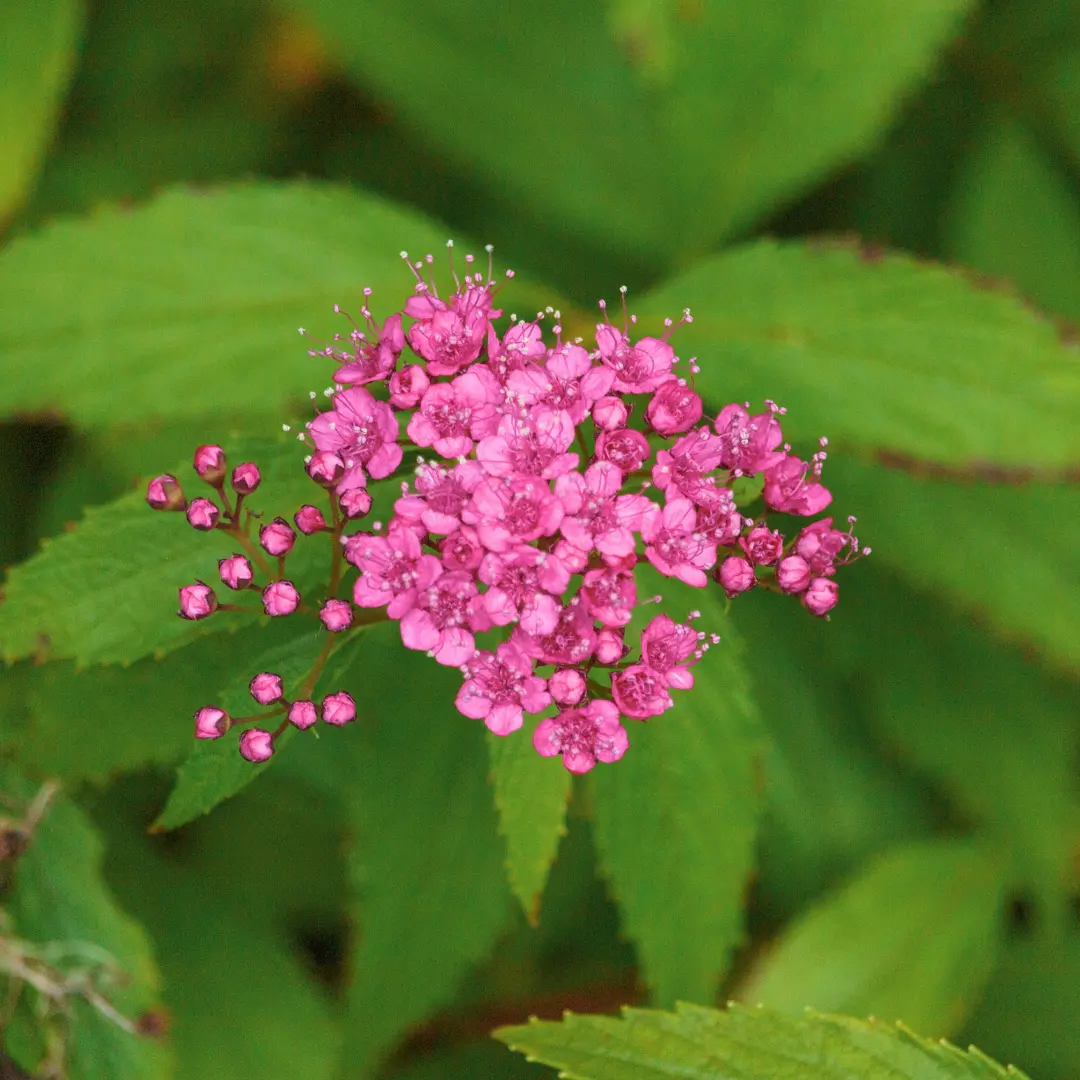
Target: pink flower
610, 413
736, 575
511, 511
639, 692
788, 490
638, 368
309, 519
674, 407
524, 582
211, 723
338, 709
665, 647
820, 545
443, 619
257, 745
610, 594
280, 598
245, 478
567, 686
336, 615
408, 386
567, 382
462, 550
762, 545
439, 496
748, 442
266, 688
277, 538
373, 360
583, 736
596, 516
625, 448
532, 445
571, 642
793, 574
452, 414
499, 687
720, 519
302, 714
821, 596
683, 471
675, 547
164, 493
363, 431
520, 344
447, 338
197, 601
236, 571
392, 569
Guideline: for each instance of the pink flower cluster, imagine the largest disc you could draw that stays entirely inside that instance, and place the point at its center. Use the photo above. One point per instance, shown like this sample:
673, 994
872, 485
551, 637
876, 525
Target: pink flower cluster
541, 475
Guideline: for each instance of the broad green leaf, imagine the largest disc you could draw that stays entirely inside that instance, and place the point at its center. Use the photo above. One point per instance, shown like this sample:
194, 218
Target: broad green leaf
427, 872
106, 592
61, 900
660, 128
214, 769
911, 938
220, 899
881, 352
948, 536
192, 302
676, 819
1015, 215
531, 799
696, 1043
37, 54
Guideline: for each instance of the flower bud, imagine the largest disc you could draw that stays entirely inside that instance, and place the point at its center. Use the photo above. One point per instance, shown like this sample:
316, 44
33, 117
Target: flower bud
821, 596
407, 386
266, 688
567, 686
210, 464
280, 598
736, 575
164, 493
674, 407
197, 601
245, 478
277, 538
236, 571
203, 515
762, 546
338, 709
626, 448
610, 413
211, 723
610, 648
326, 468
309, 519
462, 550
793, 574
336, 615
257, 745
302, 714
355, 503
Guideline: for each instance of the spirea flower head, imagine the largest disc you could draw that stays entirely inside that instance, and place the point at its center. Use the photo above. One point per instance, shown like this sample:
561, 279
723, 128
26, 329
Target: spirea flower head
522, 479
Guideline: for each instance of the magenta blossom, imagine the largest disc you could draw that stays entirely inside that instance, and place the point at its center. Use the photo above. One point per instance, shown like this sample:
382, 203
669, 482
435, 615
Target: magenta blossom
524, 582
451, 415
638, 368
439, 496
610, 594
763, 546
820, 545
408, 386
748, 442
625, 448
640, 692
788, 489
511, 511
448, 338
583, 736
444, 617
674, 545
567, 382
674, 407
392, 568
596, 516
683, 472
373, 361
532, 445
363, 432
666, 646
499, 687
571, 642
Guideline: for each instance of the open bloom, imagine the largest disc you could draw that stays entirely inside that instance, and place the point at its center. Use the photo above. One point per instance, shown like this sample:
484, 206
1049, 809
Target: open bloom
583, 736
499, 687
444, 617
675, 547
363, 432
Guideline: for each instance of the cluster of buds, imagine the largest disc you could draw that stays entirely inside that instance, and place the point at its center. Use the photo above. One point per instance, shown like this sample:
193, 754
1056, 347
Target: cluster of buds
541, 475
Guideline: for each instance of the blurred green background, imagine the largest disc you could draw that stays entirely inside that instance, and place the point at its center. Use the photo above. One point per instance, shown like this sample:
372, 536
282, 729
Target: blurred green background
619, 143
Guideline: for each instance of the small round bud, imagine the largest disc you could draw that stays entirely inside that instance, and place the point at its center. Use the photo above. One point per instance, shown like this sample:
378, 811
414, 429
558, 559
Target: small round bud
197, 601
236, 571
355, 503
336, 615
407, 386
309, 519
567, 686
277, 538
246, 478
821, 596
326, 468
210, 464
280, 598
735, 575
266, 688
302, 714
211, 723
610, 647
609, 413
257, 745
462, 550
626, 448
338, 709
793, 574
164, 493
762, 546
203, 514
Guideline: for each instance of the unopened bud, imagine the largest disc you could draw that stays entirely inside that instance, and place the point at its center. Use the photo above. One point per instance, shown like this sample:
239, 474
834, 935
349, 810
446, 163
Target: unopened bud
164, 493
211, 723
280, 598
309, 519
257, 745
567, 686
338, 709
326, 468
246, 478
793, 574
336, 615
197, 601
210, 464
355, 503
821, 596
236, 571
203, 514
302, 714
266, 688
735, 575
277, 538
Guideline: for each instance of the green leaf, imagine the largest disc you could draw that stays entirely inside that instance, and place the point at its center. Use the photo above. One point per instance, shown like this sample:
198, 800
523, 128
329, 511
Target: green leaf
192, 302
1014, 214
106, 591
676, 819
61, 898
531, 799
214, 770
427, 870
911, 938
674, 125
881, 352
695, 1043
37, 54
